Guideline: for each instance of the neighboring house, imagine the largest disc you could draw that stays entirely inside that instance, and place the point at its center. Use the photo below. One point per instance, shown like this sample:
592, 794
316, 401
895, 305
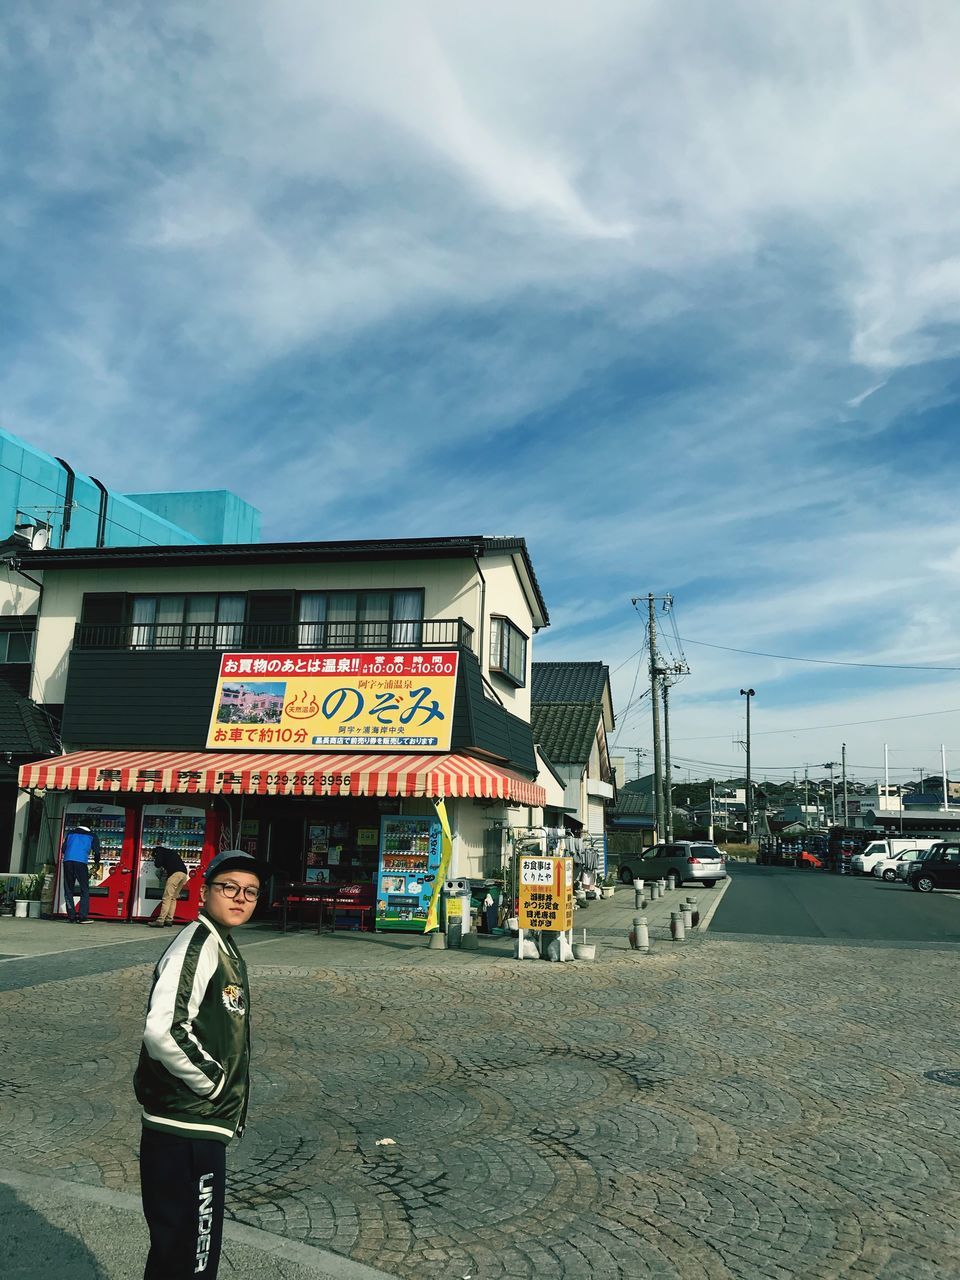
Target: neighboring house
354, 639
46, 503
633, 814
571, 716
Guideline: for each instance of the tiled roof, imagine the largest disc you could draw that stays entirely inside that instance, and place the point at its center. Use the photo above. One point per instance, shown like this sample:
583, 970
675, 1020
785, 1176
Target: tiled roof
565, 682
24, 728
630, 803
566, 732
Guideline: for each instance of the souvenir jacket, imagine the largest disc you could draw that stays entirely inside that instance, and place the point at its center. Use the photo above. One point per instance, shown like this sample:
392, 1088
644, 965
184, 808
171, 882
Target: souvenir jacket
193, 1076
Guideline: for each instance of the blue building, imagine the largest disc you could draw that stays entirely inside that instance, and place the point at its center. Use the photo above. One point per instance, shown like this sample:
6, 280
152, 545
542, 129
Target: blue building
45, 501
82, 511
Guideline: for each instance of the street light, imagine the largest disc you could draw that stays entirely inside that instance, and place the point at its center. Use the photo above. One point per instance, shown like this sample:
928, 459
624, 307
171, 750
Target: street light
748, 694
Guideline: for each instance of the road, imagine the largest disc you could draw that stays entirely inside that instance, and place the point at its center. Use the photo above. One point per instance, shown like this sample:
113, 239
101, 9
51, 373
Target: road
712, 1110
789, 903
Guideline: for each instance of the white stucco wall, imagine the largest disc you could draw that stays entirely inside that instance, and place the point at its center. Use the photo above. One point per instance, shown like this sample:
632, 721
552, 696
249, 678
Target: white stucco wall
451, 590
18, 597
506, 598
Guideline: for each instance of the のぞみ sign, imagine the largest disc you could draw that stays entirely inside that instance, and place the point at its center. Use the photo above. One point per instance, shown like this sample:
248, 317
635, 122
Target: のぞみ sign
323, 701
546, 893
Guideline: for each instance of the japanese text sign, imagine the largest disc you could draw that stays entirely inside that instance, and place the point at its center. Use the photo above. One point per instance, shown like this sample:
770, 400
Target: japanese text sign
322, 701
546, 893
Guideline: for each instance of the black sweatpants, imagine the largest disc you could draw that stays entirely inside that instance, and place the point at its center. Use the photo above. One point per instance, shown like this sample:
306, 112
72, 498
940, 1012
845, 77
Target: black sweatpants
182, 1183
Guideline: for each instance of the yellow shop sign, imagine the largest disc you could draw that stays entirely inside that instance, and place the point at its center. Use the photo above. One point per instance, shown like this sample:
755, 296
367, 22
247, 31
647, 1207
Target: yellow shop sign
343, 701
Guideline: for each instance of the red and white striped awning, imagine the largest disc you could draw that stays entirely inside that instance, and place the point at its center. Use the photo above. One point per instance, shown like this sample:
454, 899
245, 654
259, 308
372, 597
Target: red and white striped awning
231, 773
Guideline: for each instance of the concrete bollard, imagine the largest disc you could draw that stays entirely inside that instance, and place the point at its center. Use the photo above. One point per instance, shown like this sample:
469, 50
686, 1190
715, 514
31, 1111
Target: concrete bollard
438, 941
686, 914
663, 887
676, 926
638, 895
639, 935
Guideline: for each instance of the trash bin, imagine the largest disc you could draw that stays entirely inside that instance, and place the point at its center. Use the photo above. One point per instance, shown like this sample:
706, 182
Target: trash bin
456, 897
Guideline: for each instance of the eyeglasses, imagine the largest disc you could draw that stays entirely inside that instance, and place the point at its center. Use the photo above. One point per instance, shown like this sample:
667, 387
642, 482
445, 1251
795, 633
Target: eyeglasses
234, 891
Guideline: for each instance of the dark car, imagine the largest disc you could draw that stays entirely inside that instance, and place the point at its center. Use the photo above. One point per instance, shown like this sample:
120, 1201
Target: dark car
938, 868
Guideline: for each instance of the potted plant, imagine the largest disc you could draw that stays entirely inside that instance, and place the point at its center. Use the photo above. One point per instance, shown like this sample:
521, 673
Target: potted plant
31, 888
608, 886
8, 895
21, 902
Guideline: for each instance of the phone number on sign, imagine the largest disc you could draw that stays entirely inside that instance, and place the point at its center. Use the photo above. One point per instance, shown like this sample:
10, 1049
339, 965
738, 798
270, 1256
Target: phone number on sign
302, 779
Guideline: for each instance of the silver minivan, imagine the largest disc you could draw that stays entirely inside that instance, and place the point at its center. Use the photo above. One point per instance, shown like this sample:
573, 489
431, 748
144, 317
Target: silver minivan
684, 860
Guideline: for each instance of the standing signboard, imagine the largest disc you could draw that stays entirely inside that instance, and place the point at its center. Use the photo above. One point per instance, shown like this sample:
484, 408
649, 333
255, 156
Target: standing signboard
546, 895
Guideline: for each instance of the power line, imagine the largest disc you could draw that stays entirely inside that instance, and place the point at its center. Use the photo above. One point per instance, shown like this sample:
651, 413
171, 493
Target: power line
813, 728
821, 662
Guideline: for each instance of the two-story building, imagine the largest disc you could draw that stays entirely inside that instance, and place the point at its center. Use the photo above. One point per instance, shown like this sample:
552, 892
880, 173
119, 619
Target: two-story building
286, 698
572, 716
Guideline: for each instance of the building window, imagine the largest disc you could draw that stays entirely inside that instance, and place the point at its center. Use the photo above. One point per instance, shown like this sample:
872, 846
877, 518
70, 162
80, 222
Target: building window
508, 651
360, 619
16, 646
260, 620
202, 621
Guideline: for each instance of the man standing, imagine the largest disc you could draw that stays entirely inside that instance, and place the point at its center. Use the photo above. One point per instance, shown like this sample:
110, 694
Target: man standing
169, 863
78, 844
192, 1079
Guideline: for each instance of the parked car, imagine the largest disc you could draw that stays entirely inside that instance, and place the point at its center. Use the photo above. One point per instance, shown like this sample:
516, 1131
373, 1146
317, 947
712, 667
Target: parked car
905, 867
886, 868
938, 869
879, 850
684, 860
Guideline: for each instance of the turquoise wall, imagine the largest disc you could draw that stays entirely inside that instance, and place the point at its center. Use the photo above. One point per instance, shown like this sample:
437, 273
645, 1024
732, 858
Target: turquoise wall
35, 484
214, 515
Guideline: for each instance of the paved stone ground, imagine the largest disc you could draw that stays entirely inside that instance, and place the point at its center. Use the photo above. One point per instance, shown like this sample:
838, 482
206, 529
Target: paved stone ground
714, 1110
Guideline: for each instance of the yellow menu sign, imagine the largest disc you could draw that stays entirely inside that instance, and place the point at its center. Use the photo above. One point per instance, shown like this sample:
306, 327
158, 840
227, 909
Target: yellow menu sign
339, 701
546, 893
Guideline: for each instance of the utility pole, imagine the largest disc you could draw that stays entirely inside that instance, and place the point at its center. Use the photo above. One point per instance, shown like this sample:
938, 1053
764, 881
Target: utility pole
748, 694
843, 766
667, 772
943, 771
831, 765
806, 795
710, 801
655, 700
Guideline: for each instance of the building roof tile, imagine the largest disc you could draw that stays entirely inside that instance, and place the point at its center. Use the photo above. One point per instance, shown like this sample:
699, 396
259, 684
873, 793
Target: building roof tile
25, 729
566, 731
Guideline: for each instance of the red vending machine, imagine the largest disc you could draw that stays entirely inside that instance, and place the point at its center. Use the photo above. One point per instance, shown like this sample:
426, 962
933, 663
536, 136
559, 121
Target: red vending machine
110, 889
190, 832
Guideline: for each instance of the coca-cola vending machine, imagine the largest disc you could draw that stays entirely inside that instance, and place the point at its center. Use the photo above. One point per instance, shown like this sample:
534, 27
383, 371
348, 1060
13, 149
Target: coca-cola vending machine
193, 834
110, 887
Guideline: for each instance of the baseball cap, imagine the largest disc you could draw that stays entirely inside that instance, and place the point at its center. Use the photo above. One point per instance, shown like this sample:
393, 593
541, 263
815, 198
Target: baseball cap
81, 827
235, 860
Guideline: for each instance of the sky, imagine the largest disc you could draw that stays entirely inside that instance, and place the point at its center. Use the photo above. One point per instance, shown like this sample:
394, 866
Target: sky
672, 290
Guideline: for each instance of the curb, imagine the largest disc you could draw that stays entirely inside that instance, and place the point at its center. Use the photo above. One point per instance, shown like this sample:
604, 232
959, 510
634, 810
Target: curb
333, 1265
704, 924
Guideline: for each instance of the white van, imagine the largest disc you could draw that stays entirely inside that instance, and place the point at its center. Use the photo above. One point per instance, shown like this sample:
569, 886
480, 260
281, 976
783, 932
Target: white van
877, 850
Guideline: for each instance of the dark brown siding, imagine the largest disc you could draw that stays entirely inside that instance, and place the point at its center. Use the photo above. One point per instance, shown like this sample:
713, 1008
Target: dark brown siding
143, 700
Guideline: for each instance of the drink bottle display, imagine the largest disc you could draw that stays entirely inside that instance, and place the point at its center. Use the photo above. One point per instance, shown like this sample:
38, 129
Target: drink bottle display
109, 882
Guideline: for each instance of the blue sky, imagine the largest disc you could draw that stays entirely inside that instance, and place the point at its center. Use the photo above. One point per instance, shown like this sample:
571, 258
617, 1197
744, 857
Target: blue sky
671, 290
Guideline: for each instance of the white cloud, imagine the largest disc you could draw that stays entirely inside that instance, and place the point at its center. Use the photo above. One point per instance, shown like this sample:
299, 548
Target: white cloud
335, 249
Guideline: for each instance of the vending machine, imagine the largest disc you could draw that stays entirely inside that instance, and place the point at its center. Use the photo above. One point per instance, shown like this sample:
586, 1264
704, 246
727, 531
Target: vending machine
410, 854
111, 886
191, 833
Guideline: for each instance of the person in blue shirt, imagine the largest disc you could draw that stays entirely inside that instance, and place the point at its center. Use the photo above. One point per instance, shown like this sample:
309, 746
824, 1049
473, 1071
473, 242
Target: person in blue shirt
78, 844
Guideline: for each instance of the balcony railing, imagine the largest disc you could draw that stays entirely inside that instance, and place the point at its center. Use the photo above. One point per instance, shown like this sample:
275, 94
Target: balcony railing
436, 633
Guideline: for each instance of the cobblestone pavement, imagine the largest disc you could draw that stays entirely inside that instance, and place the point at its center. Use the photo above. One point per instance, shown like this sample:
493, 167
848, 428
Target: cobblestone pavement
713, 1110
